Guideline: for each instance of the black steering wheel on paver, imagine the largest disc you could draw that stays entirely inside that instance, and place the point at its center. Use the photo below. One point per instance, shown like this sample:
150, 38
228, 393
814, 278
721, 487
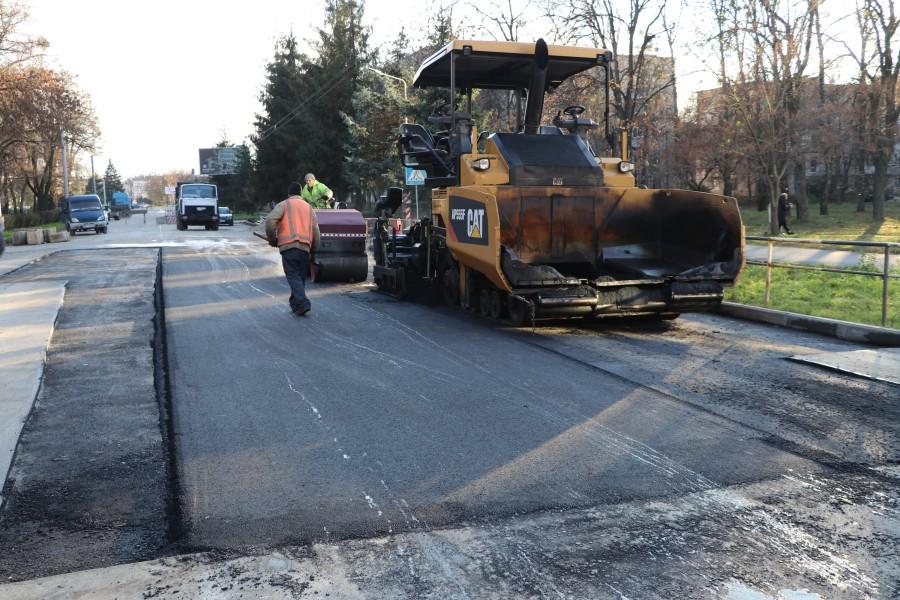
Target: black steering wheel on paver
574, 110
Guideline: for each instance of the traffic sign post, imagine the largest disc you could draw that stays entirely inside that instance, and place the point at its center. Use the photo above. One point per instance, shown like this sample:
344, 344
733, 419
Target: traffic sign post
415, 178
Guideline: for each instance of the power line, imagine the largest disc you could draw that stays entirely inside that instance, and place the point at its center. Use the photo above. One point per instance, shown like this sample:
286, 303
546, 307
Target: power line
287, 118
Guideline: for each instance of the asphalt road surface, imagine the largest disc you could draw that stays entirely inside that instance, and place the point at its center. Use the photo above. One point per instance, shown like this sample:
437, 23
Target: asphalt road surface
647, 460
403, 450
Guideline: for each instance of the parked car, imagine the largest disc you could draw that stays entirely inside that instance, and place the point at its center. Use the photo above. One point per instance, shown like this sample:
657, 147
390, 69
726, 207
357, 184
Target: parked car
84, 213
226, 217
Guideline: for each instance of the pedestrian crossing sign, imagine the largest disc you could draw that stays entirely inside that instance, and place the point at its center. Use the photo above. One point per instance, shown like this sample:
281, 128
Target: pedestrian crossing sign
415, 176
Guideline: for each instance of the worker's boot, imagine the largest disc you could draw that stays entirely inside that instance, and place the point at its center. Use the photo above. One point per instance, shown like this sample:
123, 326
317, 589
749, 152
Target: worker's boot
301, 308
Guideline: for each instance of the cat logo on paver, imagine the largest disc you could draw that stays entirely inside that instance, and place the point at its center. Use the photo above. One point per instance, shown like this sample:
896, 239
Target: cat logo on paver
475, 222
468, 220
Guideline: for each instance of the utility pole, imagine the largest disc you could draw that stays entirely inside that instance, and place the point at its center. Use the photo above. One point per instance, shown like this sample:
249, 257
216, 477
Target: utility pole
93, 177
105, 201
65, 163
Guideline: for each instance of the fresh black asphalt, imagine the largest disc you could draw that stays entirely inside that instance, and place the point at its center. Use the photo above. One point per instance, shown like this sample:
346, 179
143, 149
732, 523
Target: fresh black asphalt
372, 416
437, 454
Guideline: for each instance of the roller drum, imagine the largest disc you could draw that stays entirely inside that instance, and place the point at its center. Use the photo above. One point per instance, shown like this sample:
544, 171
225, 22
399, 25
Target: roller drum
347, 269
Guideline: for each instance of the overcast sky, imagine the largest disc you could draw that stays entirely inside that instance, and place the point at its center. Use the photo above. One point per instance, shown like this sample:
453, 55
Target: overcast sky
166, 77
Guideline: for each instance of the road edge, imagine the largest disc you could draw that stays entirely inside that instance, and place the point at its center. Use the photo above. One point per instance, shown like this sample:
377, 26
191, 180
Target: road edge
843, 330
163, 386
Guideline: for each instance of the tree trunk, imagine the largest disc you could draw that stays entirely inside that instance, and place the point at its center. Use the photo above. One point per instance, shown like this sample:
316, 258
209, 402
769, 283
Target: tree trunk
773, 214
879, 184
826, 190
843, 180
774, 185
860, 189
727, 174
762, 193
800, 197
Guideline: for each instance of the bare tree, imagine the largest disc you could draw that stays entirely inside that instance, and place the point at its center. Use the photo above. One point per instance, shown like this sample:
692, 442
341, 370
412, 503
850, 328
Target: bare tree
864, 101
16, 47
833, 123
642, 82
883, 23
502, 19
772, 46
724, 42
630, 36
48, 104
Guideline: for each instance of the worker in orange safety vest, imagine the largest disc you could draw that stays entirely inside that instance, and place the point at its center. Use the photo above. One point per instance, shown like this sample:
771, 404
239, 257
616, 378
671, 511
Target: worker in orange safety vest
293, 229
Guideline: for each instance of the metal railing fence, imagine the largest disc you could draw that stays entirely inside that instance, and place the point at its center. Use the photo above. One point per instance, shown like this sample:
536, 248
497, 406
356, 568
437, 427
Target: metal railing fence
885, 273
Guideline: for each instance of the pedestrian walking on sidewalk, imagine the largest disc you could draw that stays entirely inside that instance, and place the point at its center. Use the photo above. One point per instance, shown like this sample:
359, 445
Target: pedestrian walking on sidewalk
293, 229
784, 211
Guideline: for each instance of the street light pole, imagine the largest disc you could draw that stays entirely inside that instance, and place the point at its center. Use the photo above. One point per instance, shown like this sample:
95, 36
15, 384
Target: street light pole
93, 177
395, 78
65, 163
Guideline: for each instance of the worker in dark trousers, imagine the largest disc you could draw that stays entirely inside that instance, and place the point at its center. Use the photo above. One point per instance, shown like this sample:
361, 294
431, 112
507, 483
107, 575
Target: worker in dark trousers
293, 229
784, 211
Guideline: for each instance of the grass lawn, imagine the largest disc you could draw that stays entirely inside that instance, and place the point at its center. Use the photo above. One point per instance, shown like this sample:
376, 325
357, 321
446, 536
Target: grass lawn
243, 216
842, 223
853, 298
7, 233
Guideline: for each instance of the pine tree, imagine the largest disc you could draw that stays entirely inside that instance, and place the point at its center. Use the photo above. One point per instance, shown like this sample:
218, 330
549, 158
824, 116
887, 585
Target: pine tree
113, 181
441, 31
94, 186
283, 127
343, 53
379, 107
244, 180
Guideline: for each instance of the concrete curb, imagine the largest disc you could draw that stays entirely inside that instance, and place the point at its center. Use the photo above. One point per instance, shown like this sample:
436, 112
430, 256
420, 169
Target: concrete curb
843, 330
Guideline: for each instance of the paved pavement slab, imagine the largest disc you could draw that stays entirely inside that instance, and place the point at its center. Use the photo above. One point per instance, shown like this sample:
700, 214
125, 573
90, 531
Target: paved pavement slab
830, 257
27, 316
882, 364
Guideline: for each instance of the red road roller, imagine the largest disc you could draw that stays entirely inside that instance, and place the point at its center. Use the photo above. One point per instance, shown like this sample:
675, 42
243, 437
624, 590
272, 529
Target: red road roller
342, 247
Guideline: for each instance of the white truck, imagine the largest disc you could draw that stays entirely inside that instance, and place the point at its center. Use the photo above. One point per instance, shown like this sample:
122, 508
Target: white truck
196, 204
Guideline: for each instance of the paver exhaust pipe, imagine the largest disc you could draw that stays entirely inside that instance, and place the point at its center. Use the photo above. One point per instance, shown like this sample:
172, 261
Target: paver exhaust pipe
535, 106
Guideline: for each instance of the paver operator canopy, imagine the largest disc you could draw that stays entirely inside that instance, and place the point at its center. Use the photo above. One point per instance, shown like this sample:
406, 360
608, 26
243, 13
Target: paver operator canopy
505, 65
530, 70
523, 67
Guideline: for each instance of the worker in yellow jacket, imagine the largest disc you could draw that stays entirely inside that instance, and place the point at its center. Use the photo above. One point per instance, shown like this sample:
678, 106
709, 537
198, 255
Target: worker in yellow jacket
316, 193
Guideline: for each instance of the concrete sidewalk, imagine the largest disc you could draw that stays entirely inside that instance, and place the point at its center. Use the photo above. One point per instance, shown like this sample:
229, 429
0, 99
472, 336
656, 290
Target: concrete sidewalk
844, 259
27, 317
